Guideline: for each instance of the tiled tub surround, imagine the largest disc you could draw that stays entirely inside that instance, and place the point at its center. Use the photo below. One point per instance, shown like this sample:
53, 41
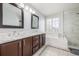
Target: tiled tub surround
56, 41
55, 36
12, 36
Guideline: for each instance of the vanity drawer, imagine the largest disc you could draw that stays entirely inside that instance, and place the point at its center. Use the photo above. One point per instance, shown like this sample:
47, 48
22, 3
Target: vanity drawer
35, 40
35, 43
35, 49
36, 37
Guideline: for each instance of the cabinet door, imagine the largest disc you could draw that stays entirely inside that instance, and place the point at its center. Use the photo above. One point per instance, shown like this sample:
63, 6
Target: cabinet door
35, 49
11, 49
41, 40
43, 37
36, 43
27, 46
35, 40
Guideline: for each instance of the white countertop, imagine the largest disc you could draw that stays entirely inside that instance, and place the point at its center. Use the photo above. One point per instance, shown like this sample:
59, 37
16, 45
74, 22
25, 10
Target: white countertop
5, 39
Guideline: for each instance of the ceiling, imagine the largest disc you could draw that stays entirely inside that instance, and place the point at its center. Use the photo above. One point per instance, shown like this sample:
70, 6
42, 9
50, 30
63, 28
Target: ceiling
48, 9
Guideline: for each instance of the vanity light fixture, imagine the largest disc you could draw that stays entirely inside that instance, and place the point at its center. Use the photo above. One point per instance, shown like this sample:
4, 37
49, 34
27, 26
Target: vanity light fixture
21, 4
27, 7
32, 11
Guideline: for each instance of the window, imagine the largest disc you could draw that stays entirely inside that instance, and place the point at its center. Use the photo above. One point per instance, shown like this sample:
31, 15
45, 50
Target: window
55, 23
52, 24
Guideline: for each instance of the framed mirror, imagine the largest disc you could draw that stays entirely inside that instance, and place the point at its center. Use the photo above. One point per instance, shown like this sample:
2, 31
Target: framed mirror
34, 21
11, 16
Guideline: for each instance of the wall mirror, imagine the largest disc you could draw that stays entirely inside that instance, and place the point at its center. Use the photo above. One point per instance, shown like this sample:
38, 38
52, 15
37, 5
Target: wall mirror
11, 15
34, 21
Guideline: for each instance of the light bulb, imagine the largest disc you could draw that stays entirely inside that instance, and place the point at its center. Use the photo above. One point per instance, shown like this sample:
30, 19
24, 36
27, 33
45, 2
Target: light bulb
26, 7
22, 5
30, 10
33, 12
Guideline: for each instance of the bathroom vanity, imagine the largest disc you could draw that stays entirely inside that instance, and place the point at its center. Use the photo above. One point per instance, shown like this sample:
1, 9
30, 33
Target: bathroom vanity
26, 46
18, 43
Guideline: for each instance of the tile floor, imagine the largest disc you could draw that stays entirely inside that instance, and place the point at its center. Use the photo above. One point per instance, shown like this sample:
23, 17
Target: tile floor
52, 51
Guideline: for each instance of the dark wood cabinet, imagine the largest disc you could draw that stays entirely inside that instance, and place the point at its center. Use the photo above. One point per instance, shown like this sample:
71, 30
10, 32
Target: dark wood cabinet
36, 43
23, 47
35, 49
43, 39
27, 46
35, 40
11, 49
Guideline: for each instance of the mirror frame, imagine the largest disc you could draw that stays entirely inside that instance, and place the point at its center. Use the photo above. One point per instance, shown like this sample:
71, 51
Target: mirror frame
10, 26
32, 27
